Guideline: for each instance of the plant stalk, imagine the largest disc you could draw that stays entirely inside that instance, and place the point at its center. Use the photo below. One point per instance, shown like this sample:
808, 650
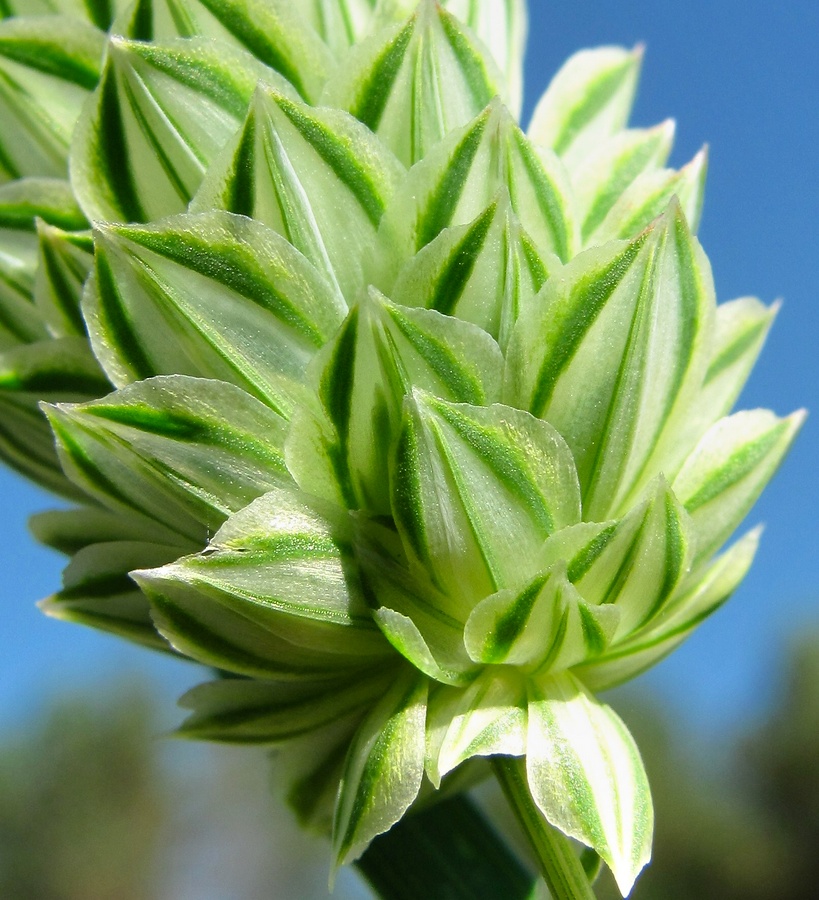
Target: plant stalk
560, 866
447, 851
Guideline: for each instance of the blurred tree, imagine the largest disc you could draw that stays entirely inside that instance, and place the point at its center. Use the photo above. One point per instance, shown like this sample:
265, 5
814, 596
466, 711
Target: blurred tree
82, 803
783, 772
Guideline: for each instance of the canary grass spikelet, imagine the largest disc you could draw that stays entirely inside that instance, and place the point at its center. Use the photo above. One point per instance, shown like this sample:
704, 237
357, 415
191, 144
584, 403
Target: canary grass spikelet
415, 421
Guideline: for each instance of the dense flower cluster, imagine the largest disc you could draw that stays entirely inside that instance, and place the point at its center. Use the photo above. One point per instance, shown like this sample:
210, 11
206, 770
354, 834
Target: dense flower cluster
416, 421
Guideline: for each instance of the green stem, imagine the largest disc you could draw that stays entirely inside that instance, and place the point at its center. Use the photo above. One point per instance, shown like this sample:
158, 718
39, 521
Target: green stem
447, 851
561, 868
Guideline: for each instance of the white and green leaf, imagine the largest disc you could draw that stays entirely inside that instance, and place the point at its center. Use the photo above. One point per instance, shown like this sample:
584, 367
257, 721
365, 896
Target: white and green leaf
635, 564
55, 370
612, 354
415, 83
703, 593
586, 775
463, 176
545, 627
502, 25
48, 67
21, 203
380, 354
587, 102
64, 260
274, 32
70, 530
243, 711
98, 591
183, 451
161, 114
275, 594
610, 169
316, 176
486, 272
384, 768
487, 718
648, 197
212, 295
721, 480
740, 329
476, 491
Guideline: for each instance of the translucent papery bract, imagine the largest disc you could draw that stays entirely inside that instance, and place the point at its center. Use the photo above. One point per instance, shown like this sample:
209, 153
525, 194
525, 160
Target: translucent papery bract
55, 370
274, 32
64, 260
317, 177
613, 354
213, 295
22, 204
47, 68
415, 84
487, 272
276, 594
461, 177
588, 101
160, 115
381, 353
182, 451
476, 491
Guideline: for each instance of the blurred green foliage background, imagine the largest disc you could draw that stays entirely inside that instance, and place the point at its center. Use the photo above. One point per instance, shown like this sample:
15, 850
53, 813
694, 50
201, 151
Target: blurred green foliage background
97, 804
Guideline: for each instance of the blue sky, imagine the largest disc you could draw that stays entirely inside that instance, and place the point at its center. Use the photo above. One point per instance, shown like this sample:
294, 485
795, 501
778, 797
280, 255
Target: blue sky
743, 77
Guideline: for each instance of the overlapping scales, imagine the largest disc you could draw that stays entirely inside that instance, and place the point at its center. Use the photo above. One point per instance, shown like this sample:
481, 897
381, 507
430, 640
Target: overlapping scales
421, 422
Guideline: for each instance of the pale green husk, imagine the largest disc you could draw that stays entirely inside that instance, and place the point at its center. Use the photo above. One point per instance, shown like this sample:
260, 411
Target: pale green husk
419, 422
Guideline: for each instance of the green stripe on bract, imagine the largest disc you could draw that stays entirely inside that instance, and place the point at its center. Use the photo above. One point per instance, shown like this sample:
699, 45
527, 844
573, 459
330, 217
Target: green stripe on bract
586, 776
736, 467
510, 625
384, 768
235, 18
552, 207
115, 322
244, 711
445, 361
599, 93
750, 335
227, 260
407, 497
506, 465
47, 66
115, 160
439, 209
711, 589
294, 168
472, 65
586, 558
166, 109
55, 60
587, 102
414, 85
372, 97
497, 478
181, 451
340, 157
588, 304
610, 170
454, 277
64, 263
337, 383
50, 199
